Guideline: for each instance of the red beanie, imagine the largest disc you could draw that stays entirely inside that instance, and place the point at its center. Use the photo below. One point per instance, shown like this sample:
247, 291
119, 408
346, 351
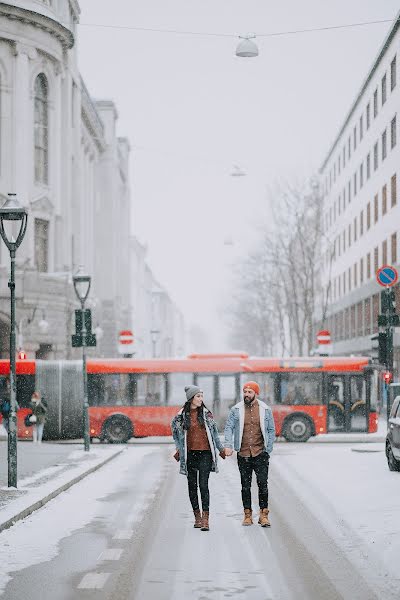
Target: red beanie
253, 385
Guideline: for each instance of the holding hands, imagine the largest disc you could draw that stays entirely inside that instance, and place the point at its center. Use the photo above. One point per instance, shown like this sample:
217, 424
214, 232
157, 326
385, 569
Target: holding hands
228, 451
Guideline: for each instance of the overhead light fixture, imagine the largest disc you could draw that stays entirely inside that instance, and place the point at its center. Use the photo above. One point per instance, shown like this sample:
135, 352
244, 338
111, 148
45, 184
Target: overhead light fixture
246, 48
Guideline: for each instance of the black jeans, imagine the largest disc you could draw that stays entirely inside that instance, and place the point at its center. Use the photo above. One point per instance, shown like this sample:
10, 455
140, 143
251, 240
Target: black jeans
259, 464
199, 463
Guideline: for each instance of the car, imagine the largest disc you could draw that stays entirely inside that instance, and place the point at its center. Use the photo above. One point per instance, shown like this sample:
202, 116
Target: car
393, 437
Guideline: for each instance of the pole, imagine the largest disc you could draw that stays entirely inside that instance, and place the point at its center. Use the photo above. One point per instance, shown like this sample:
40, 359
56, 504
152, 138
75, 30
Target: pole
86, 425
12, 423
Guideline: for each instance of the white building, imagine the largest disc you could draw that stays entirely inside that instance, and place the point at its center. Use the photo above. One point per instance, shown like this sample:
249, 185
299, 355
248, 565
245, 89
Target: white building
59, 152
361, 206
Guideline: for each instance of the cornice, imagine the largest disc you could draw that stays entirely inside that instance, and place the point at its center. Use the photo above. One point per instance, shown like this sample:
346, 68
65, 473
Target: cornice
29, 17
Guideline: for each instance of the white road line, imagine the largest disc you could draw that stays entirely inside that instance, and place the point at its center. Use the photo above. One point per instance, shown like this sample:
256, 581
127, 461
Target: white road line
93, 581
111, 554
123, 534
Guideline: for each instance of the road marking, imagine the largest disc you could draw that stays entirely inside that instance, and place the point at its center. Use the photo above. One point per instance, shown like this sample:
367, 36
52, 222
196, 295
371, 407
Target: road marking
111, 554
123, 534
93, 581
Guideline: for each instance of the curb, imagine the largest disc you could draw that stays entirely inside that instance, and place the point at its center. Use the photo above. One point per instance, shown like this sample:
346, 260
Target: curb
39, 503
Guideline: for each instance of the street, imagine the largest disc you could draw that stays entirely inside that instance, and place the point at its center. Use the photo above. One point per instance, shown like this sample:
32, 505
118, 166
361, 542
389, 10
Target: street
126, 532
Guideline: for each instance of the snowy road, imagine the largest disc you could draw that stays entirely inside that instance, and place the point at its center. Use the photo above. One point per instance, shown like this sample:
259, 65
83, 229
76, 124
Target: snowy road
126, 533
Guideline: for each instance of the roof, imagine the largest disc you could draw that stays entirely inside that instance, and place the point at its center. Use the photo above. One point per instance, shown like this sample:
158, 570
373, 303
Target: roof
378, 59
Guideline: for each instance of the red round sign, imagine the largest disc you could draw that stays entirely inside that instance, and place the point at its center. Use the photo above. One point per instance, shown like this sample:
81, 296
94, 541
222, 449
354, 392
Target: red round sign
126, 337
324, 337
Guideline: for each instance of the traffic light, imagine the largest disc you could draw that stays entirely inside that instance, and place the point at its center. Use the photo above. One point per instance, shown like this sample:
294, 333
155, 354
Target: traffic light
382, 347
388, 301
22, 355
387, 377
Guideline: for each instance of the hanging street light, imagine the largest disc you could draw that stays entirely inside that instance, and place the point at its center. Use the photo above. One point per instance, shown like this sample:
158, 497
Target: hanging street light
246, 48
82, 283
12, 214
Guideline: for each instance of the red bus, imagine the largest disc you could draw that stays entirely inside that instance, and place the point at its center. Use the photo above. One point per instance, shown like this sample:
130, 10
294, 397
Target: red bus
131, 397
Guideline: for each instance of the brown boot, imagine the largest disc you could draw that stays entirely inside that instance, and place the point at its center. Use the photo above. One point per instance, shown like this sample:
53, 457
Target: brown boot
204, 521
263, 519
197, 519
248, 517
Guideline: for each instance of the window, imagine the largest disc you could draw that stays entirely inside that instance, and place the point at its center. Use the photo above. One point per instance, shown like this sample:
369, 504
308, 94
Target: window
361, 128
349, 192
393, 132
355, 137
361, 271
376, 259
355, 275
361, 175
42, 245
376, 209
384, 148
361, 223
339, 164
349, 148
339, 205
355, 229
368, 116
176, 383
367, 316
368, 266
344, 241
301, 388
393, 189
41, 130
349, 236
384, 89
393, 74
375, 103
349, 278
368, 215
126, 389
384, 252
344, 198
344, 157
393, 241
344, 283
355, 183
376, 156
384, 200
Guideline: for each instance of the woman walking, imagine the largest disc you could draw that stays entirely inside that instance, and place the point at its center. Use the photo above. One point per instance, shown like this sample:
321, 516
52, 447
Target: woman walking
196, 439
38, 416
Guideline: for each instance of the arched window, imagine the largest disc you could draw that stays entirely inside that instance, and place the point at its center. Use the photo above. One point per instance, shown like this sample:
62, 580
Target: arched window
41, 130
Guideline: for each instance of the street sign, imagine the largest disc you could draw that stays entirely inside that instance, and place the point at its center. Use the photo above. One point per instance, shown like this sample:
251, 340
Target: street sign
324, 337
387, 276
126, 341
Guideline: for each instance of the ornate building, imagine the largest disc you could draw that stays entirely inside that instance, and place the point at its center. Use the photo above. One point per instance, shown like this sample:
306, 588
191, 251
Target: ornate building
59, 152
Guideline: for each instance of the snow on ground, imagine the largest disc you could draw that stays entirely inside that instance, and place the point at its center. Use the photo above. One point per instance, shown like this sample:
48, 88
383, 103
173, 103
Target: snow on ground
25, 544
351, 491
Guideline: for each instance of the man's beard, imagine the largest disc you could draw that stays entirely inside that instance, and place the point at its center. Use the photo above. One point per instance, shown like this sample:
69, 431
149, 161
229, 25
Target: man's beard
248, 400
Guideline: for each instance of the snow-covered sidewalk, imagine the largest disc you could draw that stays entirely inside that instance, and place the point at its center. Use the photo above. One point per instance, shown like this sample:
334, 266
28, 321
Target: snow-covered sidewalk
351, 491
36, 490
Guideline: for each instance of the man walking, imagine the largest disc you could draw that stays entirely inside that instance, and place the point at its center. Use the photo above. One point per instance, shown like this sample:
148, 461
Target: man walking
250, 430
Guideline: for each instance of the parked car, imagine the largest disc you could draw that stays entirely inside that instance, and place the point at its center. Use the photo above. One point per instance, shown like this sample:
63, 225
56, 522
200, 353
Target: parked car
393, 437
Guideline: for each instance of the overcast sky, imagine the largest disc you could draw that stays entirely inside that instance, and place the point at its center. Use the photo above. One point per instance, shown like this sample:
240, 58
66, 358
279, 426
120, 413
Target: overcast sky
191, 110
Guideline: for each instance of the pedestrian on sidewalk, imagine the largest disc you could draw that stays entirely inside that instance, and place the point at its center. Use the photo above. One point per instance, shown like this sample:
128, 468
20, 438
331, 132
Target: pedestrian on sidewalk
197, 440
5, 403
38, 416
250, 430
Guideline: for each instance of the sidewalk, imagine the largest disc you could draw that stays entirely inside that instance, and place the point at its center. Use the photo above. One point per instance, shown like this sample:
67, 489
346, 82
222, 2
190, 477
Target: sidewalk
44, 471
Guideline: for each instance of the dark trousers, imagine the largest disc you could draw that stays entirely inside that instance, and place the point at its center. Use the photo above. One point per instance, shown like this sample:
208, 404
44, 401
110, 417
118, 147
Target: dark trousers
199, 464
259, 464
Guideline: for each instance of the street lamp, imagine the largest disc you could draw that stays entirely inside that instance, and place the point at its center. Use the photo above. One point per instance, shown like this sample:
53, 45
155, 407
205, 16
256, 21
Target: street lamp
11, 215
246, 48
82, 283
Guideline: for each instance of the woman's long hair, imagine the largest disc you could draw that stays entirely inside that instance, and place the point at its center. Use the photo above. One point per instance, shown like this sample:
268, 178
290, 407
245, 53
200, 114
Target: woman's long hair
186, 414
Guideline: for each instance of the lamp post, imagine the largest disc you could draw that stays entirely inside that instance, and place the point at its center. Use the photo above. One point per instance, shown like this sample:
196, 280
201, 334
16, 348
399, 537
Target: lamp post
82, 283
11, 214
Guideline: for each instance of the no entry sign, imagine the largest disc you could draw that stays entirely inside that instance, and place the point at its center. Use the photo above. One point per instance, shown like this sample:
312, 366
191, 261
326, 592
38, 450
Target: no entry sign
387, 276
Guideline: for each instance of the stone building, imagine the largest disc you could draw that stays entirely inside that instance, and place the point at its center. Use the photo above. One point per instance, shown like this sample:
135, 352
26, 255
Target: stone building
60, 153
360, 177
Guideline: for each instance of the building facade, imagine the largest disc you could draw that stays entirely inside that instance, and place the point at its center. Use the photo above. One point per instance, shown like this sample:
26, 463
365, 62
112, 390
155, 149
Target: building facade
361, 216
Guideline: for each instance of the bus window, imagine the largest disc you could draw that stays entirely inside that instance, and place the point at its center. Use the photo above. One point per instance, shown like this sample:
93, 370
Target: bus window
25, 389
176, 387
301, 389
110, 389
266, 383
336, 410
227, 391
358, 402
151, 389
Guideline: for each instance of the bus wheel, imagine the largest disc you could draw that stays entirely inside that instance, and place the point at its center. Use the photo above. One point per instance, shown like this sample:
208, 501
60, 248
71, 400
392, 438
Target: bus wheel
297, 429
117, 429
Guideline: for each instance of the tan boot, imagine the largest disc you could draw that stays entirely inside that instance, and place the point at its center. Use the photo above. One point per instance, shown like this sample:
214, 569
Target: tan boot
263, 519
248, 517
204, 521
197, 519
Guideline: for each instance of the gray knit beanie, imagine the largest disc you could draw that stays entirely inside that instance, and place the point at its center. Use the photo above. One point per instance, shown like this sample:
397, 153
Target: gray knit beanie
191, 391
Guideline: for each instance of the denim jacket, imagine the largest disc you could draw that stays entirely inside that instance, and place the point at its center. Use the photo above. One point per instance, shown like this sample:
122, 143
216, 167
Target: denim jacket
235, 424
179, 434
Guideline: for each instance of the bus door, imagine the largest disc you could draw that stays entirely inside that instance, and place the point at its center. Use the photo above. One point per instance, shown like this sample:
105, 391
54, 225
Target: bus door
359, 407
337, 404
